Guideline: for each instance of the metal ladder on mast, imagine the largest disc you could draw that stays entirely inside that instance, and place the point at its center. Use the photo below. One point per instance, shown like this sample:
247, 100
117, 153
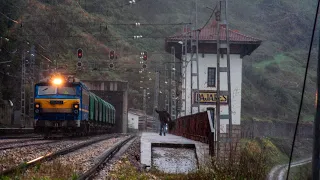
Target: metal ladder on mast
223, 45
23, 90
173, 85
184, 58
194, 71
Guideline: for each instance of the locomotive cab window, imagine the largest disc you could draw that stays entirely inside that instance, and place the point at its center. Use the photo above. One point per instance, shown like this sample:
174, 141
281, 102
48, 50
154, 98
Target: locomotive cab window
47, 90
67, 90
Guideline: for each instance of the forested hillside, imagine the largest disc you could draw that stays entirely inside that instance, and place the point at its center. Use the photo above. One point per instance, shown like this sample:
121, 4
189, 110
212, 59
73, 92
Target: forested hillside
273, 74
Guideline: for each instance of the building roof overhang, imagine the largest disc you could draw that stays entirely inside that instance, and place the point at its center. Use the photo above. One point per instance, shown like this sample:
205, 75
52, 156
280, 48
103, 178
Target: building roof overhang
207, 37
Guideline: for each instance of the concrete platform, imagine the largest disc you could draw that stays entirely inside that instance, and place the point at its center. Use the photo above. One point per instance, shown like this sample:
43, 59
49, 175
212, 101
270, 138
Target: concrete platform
154, 141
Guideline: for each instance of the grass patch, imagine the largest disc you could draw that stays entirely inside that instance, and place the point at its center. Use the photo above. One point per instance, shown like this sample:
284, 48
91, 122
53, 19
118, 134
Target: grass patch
54, 170
256, 158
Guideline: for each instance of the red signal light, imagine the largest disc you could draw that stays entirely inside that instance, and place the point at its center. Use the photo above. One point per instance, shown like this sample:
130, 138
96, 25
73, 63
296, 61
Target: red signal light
111, 54
145, 56
80, 54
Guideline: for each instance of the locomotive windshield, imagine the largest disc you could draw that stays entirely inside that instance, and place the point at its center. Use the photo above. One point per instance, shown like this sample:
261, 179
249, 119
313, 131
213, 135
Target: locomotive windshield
47, 90
67, 90
51, 90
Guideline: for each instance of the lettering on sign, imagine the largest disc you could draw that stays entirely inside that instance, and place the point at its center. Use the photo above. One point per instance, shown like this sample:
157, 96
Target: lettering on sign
210, 97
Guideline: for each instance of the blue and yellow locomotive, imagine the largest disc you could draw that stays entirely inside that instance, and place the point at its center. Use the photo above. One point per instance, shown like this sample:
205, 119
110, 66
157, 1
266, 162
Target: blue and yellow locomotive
64, 104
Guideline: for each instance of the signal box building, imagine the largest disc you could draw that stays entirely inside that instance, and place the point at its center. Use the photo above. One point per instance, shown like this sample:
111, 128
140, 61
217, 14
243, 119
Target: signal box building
240, 46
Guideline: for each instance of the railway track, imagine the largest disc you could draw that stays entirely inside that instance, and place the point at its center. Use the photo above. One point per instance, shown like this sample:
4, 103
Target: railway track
26, 145
19, 141
50, 156
104, 158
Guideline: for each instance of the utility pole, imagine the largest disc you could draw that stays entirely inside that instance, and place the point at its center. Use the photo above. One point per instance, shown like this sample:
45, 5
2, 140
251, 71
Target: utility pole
194, 62
218, 79
225, 44
197, 56
229, 76
173, 84
185, 70
145, 107
156, 97
23, 89
32, 80
167, 89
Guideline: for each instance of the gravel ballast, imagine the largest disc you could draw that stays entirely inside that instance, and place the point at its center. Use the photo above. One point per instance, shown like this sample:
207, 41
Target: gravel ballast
81, 160
132, 154
12, 157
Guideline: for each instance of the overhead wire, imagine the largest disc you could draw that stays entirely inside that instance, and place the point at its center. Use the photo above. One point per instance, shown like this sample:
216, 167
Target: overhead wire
213, 11
303, 89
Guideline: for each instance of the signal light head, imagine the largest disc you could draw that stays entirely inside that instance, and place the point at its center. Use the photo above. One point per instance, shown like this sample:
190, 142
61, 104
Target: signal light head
79, 64
80, 53
145, 55
144, 66
111, 54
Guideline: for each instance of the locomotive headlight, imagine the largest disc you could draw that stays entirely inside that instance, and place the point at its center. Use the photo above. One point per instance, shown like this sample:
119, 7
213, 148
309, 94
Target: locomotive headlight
37, 108
57, 81
76, 108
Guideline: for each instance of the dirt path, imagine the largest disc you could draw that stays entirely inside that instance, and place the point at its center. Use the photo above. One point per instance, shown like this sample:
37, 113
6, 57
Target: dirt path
279, 172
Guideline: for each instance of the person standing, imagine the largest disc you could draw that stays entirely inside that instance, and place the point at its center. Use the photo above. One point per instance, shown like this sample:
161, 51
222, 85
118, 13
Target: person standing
164, 117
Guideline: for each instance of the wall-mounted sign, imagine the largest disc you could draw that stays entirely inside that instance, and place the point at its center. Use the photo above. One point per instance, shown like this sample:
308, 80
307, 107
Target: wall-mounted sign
210, 97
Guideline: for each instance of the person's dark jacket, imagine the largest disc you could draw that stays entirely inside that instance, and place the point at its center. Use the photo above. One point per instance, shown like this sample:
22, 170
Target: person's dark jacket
164, 116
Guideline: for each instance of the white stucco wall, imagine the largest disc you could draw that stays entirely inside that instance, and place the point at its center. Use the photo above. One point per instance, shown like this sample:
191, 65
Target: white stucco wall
133, 121
210, 60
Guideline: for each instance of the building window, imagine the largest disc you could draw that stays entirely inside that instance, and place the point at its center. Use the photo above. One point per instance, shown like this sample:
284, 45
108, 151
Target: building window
211, 77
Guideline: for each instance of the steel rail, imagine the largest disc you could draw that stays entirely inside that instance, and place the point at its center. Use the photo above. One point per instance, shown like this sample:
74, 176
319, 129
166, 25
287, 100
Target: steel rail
106, 156
26, 145
19, 141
